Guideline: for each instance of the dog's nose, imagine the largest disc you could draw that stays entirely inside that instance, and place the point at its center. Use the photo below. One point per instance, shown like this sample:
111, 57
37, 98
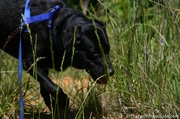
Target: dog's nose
111, 71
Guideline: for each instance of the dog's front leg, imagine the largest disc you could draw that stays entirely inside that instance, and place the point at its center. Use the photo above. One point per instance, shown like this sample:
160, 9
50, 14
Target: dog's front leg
54, 97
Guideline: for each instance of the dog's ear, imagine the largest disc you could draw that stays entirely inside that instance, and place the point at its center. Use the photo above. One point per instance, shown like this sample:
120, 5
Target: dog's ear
72, 37
101, 32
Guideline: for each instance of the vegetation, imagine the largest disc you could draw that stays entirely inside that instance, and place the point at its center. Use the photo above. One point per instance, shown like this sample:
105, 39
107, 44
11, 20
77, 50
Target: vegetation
145, 51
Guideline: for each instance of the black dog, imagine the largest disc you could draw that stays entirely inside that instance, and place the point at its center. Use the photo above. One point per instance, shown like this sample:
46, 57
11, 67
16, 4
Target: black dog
77, 41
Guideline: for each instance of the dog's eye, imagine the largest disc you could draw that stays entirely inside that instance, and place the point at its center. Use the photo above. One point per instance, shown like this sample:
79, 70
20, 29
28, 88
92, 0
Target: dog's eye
94, 53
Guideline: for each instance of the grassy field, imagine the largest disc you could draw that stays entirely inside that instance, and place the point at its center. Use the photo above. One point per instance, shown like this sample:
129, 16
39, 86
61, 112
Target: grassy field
145, 52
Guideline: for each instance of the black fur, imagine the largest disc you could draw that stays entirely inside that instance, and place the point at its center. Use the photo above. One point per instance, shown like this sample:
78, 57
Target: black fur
73, 34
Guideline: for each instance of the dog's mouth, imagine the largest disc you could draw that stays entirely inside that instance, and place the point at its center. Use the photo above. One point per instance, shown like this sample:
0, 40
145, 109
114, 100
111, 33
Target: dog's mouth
101, 79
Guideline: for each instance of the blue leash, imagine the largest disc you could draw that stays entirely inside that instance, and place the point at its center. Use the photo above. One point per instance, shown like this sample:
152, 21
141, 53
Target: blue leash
20, 68
21, 116
29, 20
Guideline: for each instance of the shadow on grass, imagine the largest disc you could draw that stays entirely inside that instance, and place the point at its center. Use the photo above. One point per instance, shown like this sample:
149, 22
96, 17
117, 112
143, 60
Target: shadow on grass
45, 115
70, 115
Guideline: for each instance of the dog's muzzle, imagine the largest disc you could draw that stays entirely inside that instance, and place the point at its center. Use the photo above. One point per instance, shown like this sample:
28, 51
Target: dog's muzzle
99, 72
104, 78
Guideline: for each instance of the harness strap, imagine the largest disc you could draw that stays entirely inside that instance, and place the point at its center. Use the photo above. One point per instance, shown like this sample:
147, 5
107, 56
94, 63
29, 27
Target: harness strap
27, 12
28, 19
41, 17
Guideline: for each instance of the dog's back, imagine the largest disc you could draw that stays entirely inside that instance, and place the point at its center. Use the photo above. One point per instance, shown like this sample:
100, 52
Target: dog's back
11, 12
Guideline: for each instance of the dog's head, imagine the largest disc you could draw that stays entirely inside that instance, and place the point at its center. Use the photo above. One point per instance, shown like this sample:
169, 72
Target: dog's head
91, 51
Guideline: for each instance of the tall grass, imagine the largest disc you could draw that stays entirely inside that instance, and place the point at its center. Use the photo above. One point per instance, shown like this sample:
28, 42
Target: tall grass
145, 51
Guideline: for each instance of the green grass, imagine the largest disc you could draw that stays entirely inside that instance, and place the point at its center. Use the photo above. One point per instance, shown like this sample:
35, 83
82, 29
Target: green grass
145, 52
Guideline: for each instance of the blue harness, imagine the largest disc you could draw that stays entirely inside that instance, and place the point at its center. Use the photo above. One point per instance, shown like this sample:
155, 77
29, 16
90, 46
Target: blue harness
28, 19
